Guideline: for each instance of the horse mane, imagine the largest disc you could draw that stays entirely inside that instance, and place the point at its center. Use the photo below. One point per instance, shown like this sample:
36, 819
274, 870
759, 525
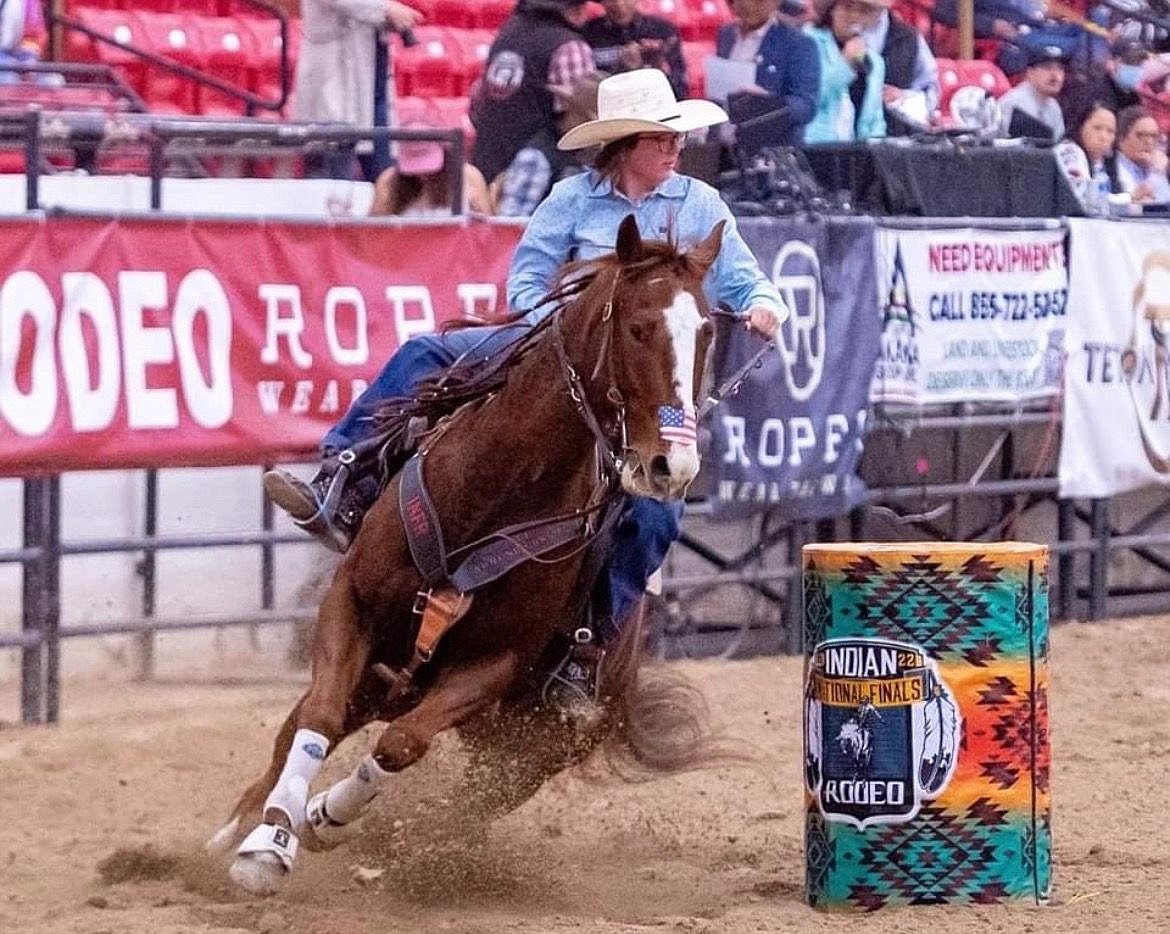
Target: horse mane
469, 381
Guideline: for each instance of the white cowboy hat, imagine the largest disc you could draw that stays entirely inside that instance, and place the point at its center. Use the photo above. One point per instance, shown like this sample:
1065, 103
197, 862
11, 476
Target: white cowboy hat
640, 101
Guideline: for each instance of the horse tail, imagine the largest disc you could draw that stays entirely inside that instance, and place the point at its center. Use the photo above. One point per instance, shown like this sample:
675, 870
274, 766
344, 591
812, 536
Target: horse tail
658, 720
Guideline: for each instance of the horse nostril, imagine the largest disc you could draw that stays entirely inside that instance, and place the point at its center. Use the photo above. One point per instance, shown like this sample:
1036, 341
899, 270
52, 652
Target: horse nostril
659, 468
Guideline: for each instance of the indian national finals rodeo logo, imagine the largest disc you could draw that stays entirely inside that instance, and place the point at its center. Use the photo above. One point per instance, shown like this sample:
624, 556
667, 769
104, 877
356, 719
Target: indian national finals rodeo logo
881, 730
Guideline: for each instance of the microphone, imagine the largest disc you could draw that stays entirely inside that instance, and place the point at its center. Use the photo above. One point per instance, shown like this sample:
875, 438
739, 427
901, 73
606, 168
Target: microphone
409, 39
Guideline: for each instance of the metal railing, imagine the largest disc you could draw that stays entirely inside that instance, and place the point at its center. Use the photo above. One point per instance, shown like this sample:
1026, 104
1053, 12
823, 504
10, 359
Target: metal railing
162, 138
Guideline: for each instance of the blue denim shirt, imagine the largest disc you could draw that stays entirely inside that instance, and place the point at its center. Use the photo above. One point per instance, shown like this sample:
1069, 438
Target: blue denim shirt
580, 218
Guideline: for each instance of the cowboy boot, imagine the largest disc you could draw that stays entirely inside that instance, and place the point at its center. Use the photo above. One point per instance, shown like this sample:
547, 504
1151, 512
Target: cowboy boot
321, 506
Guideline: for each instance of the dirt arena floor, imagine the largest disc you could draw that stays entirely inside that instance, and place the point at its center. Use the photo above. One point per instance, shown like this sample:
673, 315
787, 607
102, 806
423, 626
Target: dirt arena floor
102, 820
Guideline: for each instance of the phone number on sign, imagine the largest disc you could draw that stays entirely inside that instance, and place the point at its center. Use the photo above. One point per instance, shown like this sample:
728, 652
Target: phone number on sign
1004, 306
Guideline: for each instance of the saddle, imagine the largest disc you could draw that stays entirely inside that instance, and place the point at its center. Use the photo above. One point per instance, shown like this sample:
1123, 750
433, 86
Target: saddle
360, 474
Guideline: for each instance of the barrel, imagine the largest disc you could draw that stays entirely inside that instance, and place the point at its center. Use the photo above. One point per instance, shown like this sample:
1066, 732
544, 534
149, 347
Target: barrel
926, 756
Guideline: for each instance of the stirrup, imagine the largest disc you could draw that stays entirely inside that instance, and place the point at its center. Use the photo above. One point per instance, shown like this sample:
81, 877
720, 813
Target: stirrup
573, 687
322, 525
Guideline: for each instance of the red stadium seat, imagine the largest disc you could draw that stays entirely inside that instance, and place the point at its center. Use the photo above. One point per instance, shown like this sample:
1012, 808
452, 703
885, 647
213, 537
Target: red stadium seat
413, 110
120, 25
474, 45
74, 8
706, 18
676, 11
953, 75
454, 113
458, 13
695, 55
492, 13
432, 68
170, 36
229, 51
265, 63
915, 13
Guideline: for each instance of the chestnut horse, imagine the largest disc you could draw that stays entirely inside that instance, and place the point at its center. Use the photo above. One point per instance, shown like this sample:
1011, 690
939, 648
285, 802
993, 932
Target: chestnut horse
572, 418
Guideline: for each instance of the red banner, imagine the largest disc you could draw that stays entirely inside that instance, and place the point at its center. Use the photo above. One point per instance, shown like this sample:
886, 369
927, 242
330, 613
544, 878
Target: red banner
167, 342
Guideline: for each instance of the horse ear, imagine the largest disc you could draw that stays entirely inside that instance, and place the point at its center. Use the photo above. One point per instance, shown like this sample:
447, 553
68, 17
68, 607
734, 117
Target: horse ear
705, 254
629, 241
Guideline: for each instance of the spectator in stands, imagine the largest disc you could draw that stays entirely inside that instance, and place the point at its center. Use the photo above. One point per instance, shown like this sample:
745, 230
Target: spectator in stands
624, 39
1036, 94
1023, 26
911, 91
1114, 84
1085, 154
1141, 157
22, 35
343, 72
419, 183
853, 75
787, 66
515, 112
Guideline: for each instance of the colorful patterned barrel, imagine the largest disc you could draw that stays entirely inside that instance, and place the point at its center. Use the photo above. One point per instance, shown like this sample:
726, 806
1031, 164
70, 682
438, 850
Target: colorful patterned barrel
926, 724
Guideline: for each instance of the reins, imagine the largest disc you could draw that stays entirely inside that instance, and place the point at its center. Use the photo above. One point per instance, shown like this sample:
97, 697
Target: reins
730, 386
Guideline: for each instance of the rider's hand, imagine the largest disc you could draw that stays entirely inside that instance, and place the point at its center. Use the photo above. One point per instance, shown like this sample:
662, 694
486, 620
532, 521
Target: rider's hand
402, 17
763, 321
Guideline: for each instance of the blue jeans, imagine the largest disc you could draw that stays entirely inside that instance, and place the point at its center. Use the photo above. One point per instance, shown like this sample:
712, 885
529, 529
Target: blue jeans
644, 530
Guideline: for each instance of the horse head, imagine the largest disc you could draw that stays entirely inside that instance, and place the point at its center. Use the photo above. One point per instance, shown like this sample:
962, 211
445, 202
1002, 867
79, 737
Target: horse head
655, 331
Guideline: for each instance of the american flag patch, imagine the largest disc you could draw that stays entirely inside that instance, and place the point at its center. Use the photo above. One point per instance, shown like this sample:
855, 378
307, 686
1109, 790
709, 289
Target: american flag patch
677, 426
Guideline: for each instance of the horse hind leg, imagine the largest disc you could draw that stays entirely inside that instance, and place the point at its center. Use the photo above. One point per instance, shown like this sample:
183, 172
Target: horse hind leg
460, 693
340, 652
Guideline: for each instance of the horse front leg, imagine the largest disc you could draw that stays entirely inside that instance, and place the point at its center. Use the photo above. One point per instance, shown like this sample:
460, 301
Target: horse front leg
249, 807
340, 653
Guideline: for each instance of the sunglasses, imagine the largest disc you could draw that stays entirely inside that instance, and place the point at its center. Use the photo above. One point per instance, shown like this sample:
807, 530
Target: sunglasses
668, 143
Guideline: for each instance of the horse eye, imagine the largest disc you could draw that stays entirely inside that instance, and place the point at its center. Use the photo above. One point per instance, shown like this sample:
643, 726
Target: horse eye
640, 333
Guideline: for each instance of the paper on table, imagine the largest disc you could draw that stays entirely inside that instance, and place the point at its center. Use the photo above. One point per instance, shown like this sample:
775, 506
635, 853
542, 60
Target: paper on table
725, 77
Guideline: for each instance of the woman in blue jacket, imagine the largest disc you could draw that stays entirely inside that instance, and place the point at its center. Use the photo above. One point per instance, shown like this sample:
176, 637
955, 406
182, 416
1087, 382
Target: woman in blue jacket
852, 75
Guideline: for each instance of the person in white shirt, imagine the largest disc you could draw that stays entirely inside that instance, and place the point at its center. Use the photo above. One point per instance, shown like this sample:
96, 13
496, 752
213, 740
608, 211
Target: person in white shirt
1141, 157
1037, 94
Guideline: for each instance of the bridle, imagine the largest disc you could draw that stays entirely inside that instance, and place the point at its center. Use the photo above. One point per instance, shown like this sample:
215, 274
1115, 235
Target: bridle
612, 447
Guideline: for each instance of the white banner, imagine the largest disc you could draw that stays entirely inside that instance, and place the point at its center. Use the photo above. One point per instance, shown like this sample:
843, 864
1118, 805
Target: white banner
970, 315
1117, 397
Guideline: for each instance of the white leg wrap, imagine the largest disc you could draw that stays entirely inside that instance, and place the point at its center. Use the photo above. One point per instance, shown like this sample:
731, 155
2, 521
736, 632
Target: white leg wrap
331, 814
300, 768
264, 860
346, 800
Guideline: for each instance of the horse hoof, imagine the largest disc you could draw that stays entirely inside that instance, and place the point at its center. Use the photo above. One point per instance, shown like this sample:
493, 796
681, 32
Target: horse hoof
259, 873
264, 860
221, 841
320, 831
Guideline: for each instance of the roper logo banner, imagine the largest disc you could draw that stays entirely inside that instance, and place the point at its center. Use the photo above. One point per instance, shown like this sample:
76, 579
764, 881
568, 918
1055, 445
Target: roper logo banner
159, 342
796, 271
793, 433
881, 730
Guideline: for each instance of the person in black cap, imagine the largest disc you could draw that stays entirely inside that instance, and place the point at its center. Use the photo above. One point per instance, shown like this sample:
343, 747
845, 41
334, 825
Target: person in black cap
1114, 85
625, 38
513, 108
1037, 94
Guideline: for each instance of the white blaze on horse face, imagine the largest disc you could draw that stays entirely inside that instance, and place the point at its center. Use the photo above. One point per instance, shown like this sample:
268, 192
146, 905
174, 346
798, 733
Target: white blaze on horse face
683, 322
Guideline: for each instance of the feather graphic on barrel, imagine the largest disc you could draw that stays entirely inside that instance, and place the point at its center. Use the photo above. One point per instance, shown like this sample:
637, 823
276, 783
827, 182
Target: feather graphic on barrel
940, 727
812, 743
